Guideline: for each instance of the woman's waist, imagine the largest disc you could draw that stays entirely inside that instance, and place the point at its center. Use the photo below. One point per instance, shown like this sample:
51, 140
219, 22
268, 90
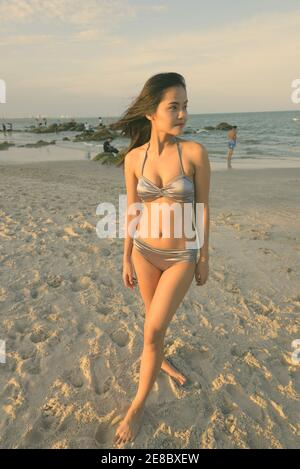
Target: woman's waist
169, 242
171, 222
171, 228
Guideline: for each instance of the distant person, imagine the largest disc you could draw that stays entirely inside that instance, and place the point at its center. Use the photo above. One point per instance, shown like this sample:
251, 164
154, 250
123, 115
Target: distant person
4, 128
45, 122
231, 144
100, 122
10, 127
107, 146
87, 127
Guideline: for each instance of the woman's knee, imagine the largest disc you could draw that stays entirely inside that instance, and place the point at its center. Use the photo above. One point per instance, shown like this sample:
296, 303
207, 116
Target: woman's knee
152, 335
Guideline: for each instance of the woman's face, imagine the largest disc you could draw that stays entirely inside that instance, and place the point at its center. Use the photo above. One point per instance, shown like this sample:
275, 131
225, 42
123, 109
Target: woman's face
171, 111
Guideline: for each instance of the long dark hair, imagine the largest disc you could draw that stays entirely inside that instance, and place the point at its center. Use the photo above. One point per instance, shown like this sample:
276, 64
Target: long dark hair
134, 123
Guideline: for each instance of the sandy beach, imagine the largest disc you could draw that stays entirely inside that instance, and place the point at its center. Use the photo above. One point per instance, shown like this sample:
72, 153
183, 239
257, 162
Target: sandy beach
74, 333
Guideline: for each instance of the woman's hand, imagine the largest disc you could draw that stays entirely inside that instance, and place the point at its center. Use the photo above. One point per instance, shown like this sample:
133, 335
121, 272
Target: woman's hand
201, 271
129, 278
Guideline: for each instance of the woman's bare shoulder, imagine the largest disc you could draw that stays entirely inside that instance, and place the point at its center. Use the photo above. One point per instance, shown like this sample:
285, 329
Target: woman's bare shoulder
192, 145
195, 153
134, 157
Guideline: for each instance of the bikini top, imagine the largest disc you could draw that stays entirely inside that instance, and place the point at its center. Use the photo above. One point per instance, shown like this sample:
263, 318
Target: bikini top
180, 188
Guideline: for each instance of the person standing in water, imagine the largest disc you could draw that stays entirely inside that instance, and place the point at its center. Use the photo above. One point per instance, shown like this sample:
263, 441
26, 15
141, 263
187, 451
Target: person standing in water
231, 144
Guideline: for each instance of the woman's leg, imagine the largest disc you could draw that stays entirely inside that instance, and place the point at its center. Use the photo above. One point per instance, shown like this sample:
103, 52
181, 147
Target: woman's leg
229, 156
170, 291
148, 276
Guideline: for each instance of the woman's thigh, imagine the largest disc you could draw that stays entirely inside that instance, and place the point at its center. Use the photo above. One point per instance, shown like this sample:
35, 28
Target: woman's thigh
147, 276
171, 288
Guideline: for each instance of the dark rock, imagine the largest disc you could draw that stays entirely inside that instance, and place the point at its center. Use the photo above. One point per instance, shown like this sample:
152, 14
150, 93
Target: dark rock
5, 145
224, 126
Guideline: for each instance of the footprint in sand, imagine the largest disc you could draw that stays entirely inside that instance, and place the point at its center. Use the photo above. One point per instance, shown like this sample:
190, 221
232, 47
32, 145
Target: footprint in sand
226, 404
258, 307
49, 311
239, 350
231, 287
83, 283
105, 310
3, 295
269, 251
101, 376
82, 326
261, 235
244, 402
32, 365
101, 435
230, 423
36, 436
33, 439
34, 293
59, 233
21, 325
27, 351
74, 377
105, 252
82, 442
107, 282
120, 337
104, 434
54, 281
296, 303
38, 336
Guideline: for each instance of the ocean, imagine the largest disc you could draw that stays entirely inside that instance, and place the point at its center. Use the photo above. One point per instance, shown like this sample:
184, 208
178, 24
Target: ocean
259, 134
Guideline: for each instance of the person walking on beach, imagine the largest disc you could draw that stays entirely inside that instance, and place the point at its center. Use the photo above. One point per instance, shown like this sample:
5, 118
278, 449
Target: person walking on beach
4, 129
231, 144
161, 168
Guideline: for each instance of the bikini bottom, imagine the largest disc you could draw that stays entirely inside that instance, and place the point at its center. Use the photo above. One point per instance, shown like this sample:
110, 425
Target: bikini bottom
164, 258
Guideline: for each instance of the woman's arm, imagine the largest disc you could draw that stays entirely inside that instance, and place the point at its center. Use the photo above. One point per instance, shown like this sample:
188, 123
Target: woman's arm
132, 197
200, 159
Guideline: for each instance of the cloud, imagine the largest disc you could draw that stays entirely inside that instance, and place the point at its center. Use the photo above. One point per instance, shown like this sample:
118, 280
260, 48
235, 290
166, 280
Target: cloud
92, 20
75, 12
36, 39
251, 61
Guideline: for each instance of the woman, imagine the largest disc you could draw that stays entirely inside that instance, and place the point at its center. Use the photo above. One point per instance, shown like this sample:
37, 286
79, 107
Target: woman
161, 169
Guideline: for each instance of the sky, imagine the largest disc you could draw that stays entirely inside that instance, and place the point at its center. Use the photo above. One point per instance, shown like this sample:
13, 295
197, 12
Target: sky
92, 57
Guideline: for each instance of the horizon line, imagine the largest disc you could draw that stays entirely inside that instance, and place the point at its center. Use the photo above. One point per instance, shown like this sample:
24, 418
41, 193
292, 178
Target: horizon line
118, 116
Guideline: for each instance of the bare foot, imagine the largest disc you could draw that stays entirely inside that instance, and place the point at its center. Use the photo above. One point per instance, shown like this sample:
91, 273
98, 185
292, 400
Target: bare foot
171, 371
130, 425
